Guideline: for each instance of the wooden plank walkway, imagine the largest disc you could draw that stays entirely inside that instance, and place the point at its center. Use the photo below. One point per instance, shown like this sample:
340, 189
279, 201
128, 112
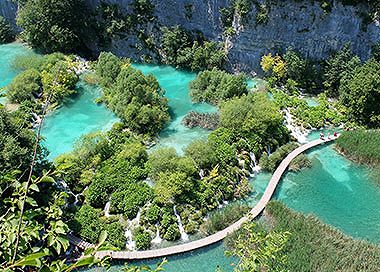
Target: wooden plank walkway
257, 210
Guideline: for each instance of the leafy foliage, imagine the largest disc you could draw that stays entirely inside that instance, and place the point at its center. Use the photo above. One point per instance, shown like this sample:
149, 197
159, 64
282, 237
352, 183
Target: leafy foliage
260, 250
270, 163
6, 32
360, 93
137, 99
55, 25
338, 66
182, 49
215, 86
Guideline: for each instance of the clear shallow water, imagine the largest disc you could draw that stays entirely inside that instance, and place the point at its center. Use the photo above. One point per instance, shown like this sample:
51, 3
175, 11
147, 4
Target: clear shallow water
78, 116
175, 83
336, 190
203, 260
8, 52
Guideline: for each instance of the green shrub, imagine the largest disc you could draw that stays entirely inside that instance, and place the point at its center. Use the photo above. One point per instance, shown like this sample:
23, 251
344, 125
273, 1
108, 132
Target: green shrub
130, 198
25, 86
172, 233
116, 235
215, 86
87, 223
142, 238
273, 161
221, 219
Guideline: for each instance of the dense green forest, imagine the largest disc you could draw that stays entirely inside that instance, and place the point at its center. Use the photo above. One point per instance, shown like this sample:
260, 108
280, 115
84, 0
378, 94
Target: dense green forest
42, 201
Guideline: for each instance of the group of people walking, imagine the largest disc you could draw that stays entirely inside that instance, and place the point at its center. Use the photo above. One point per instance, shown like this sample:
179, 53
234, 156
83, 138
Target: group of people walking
322, 135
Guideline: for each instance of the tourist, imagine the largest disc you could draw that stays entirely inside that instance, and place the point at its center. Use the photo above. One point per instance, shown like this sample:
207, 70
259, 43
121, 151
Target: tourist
335, 134
328, 135
321, 136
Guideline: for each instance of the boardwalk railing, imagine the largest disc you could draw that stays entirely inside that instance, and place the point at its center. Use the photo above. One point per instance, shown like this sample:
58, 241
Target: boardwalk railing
268, 193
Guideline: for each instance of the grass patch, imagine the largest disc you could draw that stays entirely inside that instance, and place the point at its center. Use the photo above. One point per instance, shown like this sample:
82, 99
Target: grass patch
362, 146
315, 246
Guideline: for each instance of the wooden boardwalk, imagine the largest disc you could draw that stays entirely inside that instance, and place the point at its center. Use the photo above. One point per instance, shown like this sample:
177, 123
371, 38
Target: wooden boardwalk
257, 210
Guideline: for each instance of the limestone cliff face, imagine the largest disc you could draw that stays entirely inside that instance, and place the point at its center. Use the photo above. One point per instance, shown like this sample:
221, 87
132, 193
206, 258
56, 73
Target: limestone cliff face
299, 24
8, 10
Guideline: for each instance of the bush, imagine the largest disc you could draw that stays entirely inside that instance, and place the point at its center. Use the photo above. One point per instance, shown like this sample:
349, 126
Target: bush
273, 161
116, 235
130, 198
215, 86
53, 25
142, 238
172, 233
25, 86
224, 217
87, 223
301, 161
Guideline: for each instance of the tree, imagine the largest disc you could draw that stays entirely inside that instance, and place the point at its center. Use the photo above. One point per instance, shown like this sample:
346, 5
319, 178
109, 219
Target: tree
360, 93
108, 68
25, 86
255, 118
214, 86
16, 142
338, 66
6, 32
274, 65
171, 185
260, 250
53, 25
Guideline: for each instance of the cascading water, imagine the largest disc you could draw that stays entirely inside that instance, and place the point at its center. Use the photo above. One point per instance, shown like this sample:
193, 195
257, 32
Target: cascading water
131, 245
107, 209
157, 239
299, 133
184, 236
254, 167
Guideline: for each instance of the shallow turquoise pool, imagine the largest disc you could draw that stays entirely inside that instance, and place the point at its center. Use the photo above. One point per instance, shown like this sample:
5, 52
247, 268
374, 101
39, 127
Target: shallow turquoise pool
176, 85
78, 116
8, 52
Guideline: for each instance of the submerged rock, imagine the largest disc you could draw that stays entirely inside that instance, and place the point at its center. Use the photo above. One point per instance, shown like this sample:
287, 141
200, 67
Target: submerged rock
204, 120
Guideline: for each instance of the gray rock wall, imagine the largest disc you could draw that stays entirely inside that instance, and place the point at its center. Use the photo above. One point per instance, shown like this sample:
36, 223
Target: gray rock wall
301, 25
8, 10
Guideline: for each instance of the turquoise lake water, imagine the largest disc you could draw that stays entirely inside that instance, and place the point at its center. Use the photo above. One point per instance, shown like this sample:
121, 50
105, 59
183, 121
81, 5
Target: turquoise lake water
78, 116
336, 190
8, 52
176, 83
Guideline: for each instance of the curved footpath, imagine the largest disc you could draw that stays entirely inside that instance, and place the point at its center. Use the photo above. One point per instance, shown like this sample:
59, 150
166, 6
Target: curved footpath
162, 252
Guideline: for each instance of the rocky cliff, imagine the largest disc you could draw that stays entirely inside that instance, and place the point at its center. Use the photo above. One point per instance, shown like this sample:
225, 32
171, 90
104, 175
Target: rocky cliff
303, 25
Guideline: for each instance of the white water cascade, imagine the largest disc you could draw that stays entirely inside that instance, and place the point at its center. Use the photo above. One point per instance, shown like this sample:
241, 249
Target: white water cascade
299, 133
130, 245
184, 236
107, 209
157, 239
255, 167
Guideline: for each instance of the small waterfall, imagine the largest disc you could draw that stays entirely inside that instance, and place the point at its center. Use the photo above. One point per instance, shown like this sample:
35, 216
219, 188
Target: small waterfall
296, 132
107, 209
157, 239
184, 236
201, 173
131, 245
255, 168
